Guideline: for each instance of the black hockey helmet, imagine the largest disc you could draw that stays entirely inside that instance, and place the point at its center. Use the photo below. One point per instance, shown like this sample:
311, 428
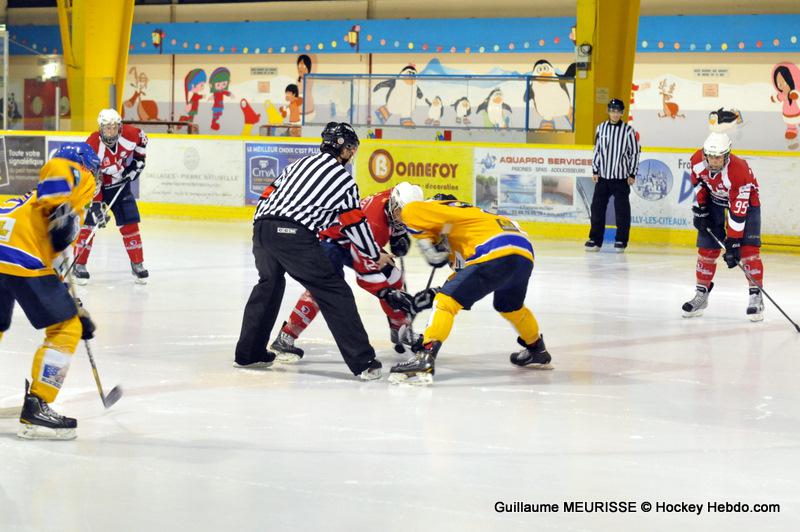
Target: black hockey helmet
615, 104
444, 197
336, 136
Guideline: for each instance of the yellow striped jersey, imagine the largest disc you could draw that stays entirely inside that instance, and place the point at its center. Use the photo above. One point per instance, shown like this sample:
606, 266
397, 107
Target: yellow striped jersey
25, 248
474, 235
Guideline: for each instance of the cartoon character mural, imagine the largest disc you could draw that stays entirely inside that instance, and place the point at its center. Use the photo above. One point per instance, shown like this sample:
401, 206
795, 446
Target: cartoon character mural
669, 107
145, 109
401, 97
497, 112
304, 86
249, 115
550, 99
194, 84
435, 111
786, 81
463, 109
724, 120
219, 81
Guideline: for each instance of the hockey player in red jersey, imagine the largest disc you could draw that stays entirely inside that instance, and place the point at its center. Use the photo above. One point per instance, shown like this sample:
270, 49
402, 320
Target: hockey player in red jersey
122, 150
726, 183
369, 275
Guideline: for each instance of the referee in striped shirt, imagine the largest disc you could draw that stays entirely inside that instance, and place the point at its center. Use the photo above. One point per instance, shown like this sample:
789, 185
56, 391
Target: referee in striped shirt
309, 195
614, 166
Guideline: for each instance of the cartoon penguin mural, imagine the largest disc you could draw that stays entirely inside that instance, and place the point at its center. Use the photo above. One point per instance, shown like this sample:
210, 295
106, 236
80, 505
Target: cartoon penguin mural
498, 113
401, 97
724, 120
435, 111
551, 99
463, 110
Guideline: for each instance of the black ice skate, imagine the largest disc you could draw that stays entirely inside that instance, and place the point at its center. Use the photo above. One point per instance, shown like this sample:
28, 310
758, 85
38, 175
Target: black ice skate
39, 422
80, 274
534, 355
265, 363
283, 346
403, 336
137, 268
372, 372
619, 247
698, 303
591, 246
755, 307
417, 370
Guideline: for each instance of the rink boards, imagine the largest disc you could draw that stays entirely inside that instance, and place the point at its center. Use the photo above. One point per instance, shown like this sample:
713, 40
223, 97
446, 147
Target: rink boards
548, 188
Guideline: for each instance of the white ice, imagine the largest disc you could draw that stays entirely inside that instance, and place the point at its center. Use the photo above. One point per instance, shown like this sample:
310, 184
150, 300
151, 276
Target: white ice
643, 405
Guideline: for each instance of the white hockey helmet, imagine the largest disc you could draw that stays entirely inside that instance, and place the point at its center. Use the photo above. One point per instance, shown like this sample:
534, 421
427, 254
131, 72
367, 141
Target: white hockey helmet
404, 193
716, 145
109, 117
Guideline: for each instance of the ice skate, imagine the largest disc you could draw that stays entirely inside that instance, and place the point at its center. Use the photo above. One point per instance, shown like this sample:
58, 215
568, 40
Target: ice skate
373, 372
619, 247
755, 307
265, 363
417, 370
698, 303
39, 422
283, 346
591, 246
80, 274
137, 268
534, 355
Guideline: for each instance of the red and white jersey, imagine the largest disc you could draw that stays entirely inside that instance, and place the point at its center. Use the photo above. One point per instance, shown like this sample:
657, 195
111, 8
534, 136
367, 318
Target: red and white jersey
374, 208
132, 142
735, 188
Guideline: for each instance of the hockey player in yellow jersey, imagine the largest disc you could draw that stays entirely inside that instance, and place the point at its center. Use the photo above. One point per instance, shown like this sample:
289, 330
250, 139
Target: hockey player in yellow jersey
34, 230
489, 253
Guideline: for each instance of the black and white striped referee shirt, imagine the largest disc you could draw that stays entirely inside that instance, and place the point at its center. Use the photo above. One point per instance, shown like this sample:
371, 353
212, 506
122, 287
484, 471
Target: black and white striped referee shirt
616, 151
317, 192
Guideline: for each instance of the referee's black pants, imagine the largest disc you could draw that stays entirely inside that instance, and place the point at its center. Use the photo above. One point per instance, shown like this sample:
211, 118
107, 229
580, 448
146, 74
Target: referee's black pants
282, 247
603, 189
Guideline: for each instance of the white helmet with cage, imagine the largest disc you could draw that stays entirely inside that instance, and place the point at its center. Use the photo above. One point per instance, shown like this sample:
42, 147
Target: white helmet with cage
404, 193
717, 145
110, 125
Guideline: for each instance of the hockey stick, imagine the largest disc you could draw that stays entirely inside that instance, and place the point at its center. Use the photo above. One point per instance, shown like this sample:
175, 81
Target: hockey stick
753, 281
90, 238
116, 392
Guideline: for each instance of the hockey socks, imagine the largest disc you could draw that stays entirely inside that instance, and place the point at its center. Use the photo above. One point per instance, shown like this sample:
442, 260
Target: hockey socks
133, 242
440, 323
706, 265
525, 323
83, 247
751, 262
304, 312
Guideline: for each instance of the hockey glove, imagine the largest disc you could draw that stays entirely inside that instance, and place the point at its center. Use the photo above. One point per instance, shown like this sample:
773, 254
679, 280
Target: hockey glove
97, 215
87, 324
399, 244
423, 300
435, 256
397, 299
733, 251
701, 214
63, 227
133, 170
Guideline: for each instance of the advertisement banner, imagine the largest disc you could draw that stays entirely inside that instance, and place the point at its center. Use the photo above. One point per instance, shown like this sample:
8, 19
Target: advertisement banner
21, 158
447, 169
535, 184
265, 161
195, 172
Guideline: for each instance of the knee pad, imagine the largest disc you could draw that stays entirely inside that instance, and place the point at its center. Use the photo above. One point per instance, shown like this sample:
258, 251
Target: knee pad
64, 336
445, 303
709, 255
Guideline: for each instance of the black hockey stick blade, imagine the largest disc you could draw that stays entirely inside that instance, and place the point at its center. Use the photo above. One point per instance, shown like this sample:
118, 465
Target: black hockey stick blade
113, 396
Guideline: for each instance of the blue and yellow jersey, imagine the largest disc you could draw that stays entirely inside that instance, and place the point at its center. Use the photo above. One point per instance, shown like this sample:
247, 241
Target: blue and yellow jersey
474, 235
25, 248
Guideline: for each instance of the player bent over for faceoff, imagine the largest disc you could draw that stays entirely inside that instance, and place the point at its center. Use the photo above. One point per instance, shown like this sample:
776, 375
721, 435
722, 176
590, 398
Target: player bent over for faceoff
34, 230
122, 151
490, 254
378, 209
726, 182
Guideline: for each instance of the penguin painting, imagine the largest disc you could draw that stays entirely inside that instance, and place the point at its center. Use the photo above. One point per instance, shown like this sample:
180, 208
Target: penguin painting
401, 97
435, 111
551, 99
724, 120
497, 111
463, 109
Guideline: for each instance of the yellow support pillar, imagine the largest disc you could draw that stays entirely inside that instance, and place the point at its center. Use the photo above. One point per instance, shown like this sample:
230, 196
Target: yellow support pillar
610, 27
95, 36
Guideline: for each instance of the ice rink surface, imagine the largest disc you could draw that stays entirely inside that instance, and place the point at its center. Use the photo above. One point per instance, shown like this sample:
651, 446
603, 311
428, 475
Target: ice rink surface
642, 405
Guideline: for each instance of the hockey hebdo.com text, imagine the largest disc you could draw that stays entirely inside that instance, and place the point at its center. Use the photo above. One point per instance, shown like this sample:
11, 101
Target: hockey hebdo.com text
631, 507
